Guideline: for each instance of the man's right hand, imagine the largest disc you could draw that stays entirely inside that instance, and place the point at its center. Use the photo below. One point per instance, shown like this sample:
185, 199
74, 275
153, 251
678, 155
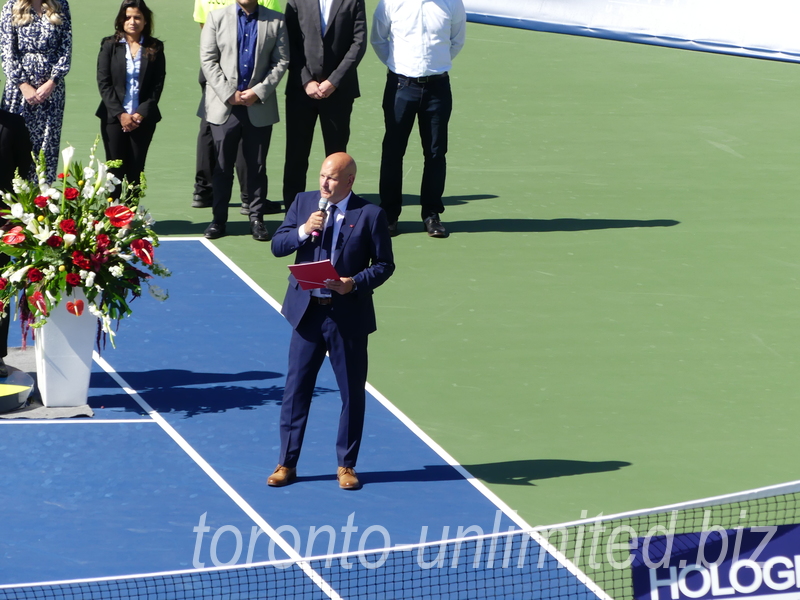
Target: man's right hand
313, 91
316, 222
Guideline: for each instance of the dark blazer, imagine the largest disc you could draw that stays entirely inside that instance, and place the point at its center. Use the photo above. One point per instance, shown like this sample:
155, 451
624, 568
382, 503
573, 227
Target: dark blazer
15, 150
364, 253
111, 78
335, 56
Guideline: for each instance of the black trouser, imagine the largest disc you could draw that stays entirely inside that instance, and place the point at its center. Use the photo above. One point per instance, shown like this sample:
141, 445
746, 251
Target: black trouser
234, 133
301, 119
130, 147
404, 102
4, 321
207, 159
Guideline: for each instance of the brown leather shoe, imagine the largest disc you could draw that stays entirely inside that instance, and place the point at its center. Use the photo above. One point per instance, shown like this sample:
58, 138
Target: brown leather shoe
282, 476
348, 480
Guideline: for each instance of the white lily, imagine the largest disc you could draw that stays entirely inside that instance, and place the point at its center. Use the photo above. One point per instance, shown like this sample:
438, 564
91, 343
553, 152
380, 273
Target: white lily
43, 234
18, 275
67, 154
69, 239
102, 171
53, 208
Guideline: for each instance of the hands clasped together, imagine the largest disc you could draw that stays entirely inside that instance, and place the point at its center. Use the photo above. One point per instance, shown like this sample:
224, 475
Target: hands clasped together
38, 95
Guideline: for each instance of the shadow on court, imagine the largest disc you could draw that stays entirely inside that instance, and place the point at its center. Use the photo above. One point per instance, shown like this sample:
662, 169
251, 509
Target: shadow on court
176, 227
410, 200
514, 472
549, 225
524, 472
191, 393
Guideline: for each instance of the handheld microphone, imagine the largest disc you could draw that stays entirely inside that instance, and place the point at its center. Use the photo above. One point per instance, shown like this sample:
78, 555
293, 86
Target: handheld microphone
315, 235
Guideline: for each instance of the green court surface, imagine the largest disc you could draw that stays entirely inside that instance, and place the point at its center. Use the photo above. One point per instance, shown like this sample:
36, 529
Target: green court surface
612, 324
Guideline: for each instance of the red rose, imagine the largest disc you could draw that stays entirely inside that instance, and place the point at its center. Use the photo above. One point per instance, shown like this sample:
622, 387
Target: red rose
103, 241
3, 283
120, 216
144, 250
68, 226
80, 260
14, 236
54, 241
37, 302
73, 279
71, 193
35, 275
41, 201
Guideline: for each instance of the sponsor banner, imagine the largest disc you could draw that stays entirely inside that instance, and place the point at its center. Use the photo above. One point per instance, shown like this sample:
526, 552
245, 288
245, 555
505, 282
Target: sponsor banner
756, 563
763, 29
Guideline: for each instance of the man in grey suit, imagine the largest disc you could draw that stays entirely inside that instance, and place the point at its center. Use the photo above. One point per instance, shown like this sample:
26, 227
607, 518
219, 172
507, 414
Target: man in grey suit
244, 54
327, 39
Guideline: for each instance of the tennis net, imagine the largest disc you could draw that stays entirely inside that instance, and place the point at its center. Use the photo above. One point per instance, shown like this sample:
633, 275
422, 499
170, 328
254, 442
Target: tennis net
509, 565
580, 560
600, 546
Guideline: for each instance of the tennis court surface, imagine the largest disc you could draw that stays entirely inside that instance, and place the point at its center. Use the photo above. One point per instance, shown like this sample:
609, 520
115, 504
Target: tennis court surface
169, 475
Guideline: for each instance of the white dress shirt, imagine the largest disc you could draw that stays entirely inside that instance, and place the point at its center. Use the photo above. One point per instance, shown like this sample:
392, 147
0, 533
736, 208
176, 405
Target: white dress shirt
324, 14
417, 38
302, 236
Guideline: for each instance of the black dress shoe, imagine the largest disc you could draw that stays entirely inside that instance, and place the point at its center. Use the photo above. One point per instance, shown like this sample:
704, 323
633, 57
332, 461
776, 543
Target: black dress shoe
272, 208
201, 202
259, 230
393, 231
434, 227
214, 231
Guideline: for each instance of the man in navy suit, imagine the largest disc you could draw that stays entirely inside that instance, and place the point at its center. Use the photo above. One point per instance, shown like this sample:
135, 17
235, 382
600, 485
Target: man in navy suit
354, 235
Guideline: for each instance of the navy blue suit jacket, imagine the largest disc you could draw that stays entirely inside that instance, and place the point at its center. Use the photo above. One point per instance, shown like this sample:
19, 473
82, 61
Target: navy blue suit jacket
364, 253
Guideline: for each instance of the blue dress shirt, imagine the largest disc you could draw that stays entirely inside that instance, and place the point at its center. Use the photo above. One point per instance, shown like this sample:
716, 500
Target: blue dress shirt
247, 39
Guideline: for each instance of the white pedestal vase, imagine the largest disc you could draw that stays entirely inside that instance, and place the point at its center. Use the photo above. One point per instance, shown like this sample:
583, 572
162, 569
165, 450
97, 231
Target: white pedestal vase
64, 347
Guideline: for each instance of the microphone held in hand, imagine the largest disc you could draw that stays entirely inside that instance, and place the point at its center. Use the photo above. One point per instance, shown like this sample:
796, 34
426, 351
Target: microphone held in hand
316, 234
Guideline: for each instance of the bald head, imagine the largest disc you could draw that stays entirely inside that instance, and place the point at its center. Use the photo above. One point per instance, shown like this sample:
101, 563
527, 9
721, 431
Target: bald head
337, 176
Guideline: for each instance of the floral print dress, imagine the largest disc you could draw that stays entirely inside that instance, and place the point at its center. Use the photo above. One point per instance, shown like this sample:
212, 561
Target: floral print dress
34, 53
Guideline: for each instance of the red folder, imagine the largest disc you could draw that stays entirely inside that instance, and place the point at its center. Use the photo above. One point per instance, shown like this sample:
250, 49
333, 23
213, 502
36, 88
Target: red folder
314, 274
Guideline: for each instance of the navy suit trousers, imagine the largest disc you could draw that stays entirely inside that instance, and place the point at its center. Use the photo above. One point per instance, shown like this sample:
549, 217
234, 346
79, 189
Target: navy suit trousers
317, 334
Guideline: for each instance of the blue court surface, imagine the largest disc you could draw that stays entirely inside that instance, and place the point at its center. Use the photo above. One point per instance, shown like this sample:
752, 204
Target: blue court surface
170, 473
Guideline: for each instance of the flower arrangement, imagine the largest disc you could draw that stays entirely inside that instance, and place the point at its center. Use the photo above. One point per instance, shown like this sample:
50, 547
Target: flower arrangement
73, 235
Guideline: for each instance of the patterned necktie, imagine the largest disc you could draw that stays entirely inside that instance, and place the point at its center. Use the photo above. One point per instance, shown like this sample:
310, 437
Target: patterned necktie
327, 235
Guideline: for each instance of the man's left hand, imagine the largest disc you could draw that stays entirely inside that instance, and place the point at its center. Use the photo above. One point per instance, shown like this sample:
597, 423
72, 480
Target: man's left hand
248, 97
326, 88
344, 285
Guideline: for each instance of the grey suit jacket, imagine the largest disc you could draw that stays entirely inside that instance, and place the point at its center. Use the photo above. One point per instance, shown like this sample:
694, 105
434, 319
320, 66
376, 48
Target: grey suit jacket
219, 58
335, 55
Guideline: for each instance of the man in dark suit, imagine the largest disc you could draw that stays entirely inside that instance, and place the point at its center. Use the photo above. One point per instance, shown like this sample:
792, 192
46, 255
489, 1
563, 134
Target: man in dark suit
327, 40
244, 54
336, 319
15, 155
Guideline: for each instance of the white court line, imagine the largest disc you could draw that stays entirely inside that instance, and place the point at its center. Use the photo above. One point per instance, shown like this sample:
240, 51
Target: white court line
477, 484
217, 478
72, 421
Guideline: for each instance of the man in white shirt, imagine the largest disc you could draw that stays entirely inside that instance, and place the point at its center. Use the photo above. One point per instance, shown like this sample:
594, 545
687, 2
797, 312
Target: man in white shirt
417, 40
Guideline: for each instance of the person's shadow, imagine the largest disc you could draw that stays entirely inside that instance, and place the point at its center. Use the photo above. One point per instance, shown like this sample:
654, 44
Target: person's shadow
513, 472
192, 393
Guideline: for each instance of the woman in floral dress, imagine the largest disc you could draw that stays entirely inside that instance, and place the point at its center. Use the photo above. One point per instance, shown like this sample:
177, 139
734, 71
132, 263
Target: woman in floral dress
36, 37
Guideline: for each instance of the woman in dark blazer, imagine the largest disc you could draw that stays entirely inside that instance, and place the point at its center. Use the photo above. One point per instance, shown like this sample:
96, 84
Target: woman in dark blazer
130, 74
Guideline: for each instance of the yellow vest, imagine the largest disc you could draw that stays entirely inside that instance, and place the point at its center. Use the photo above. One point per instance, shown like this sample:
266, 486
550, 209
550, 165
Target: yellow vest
203, 7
